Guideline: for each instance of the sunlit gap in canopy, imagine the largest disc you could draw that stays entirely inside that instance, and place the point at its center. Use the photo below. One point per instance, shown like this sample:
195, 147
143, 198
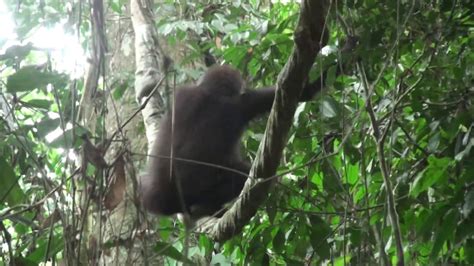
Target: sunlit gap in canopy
64, 49
6, 30
66, 53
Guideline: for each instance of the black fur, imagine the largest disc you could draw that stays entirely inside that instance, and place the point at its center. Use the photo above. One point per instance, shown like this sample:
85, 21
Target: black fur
208, 124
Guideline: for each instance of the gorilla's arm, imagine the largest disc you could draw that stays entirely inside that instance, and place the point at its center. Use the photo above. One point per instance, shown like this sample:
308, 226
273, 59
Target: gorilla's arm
260, 101
256, 102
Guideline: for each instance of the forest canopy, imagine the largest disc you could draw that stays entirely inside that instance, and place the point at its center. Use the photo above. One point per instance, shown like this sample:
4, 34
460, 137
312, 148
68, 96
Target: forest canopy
376, 169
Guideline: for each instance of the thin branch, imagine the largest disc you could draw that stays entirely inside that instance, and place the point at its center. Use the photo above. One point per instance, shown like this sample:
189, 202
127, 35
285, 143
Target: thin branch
392, 211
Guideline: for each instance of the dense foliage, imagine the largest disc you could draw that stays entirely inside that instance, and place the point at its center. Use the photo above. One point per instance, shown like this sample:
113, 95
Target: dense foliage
402, 111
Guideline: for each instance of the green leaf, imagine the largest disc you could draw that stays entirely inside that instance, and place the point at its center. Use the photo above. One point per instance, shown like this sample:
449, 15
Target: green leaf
206, 244
465, 153
352, 174
271, 211
464, 230
115, 6
469, 251
163, 248
444, 233
10, 191
319, 232
29, 78
37, 103
468, 205
435, 173
235, 55
329, 108
119, 91
331, 76
17, 52
279, 241
341, 261
218, 24
23, 262
55, 246
355, 236
220, 259
433, 143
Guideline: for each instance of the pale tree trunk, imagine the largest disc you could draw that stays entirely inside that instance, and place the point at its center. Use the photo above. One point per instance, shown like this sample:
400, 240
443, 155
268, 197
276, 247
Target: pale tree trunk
310, 37
127, 242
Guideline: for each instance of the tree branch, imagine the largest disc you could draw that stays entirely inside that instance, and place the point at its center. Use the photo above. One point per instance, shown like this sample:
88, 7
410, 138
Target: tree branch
379, 140
310, 36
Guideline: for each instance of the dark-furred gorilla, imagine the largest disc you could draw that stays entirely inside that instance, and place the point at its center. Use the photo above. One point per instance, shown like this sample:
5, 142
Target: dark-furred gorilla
209, 120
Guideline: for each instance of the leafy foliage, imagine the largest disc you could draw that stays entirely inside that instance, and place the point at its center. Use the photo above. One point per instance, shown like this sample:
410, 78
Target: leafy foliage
414, 64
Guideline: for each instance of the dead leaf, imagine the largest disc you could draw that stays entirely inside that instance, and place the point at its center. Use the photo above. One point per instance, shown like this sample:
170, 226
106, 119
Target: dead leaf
116, 185
218, 42
51, 219
92, 154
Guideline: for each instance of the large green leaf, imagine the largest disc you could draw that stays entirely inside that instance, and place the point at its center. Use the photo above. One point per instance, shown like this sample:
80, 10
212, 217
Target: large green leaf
445, 232
30, 77
319, 233
10, 191
38, 103
16, 52
165, 249
52, 245
435, 173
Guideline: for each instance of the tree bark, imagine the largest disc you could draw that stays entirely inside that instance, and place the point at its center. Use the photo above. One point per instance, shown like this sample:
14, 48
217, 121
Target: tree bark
151, 65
